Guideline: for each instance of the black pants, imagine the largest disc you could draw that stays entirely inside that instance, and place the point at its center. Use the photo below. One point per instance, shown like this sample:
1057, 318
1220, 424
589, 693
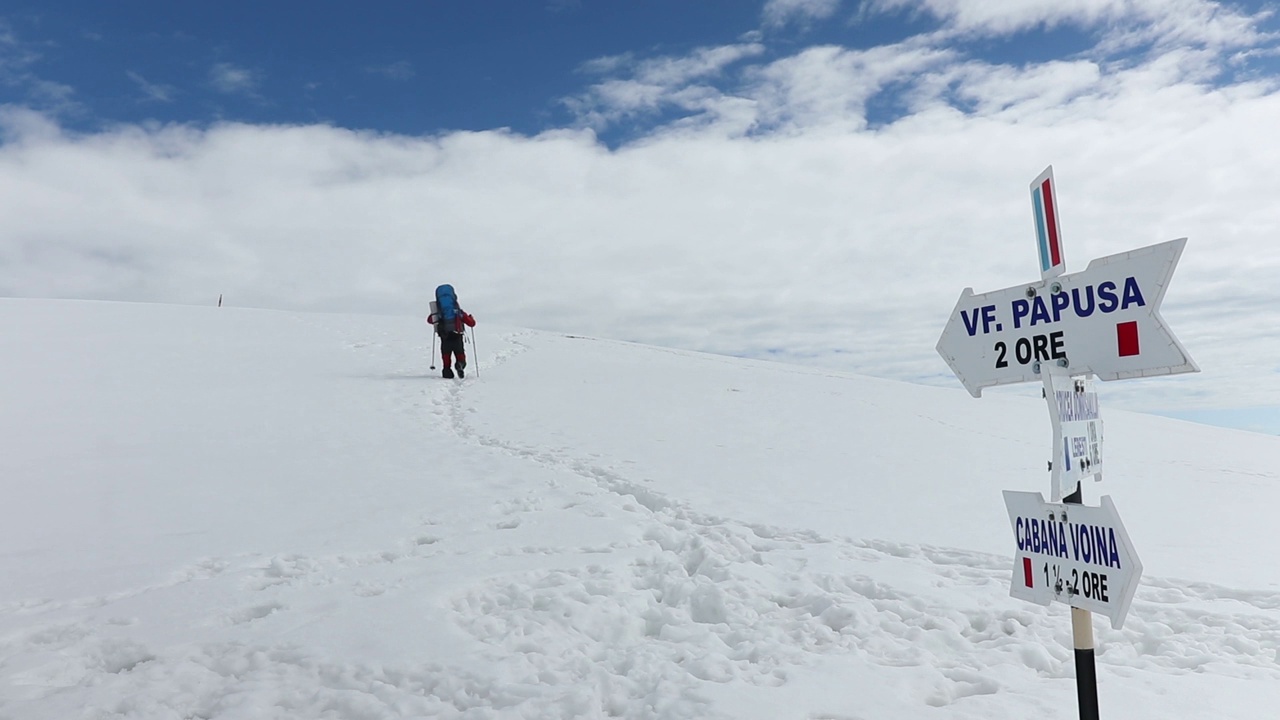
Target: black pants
451, 344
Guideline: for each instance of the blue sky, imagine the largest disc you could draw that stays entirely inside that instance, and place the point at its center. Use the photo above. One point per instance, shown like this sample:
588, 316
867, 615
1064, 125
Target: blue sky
404, 67
429, 67
808, 180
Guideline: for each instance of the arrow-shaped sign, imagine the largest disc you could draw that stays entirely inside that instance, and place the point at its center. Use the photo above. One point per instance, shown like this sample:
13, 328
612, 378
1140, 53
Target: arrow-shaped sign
1075, 554
1076, 417
1103, 320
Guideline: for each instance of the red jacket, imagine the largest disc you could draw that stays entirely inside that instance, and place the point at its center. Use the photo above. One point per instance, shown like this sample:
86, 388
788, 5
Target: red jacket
464, 318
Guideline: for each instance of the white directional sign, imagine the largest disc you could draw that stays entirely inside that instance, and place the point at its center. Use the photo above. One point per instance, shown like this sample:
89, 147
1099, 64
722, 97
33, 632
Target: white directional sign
1077, 429
1103, 320
1075, 554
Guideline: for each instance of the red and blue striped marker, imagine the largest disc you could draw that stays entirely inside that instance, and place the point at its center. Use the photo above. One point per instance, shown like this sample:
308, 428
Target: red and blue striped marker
1044, 202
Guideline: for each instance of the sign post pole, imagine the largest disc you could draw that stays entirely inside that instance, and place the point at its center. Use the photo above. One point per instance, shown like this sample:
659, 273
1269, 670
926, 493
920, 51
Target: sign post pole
1063, 331
1044, 207
1082, 639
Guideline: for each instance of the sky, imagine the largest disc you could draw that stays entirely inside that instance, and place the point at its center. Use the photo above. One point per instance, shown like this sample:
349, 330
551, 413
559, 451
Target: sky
241, 513
807, 180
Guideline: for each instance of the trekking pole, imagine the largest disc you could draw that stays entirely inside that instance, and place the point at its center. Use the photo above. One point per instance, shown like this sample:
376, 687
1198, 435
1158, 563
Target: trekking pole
433, 351
475, 352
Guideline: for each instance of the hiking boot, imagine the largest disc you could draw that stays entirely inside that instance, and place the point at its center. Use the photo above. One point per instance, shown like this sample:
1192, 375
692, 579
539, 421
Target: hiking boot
462, 368
448, 372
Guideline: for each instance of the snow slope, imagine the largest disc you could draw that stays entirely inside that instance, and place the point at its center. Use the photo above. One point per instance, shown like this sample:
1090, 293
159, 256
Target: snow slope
225, 513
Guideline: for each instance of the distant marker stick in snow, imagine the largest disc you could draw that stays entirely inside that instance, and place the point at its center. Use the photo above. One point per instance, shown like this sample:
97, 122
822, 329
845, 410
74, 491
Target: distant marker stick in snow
433, 335
475, 353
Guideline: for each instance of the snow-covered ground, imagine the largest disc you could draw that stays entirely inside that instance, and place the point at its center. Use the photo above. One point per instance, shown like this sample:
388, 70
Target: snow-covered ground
226, 513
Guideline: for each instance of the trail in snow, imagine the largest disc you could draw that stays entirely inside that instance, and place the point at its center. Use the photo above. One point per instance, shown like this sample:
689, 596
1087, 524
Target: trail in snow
540, 580
704, 590
719, 563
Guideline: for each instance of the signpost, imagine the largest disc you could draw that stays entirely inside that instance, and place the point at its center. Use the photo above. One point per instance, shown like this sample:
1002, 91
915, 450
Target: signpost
1075, 554
1077, 430
1104, 320
1061, 330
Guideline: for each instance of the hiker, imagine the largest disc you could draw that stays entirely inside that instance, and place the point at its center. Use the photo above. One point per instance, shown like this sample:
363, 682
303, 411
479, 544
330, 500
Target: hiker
450, 321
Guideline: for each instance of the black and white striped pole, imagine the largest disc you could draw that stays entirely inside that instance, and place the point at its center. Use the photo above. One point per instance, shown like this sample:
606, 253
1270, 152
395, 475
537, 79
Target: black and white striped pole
1082, 639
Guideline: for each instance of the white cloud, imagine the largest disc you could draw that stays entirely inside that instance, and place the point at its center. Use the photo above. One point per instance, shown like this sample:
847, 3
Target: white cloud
1186, 41
15, 56
780, 12
831, 85
233, 79
607, 64
771, 219
155, 92
18, 61
54, 96
401, 70
1128, 23
22, 126
651, 85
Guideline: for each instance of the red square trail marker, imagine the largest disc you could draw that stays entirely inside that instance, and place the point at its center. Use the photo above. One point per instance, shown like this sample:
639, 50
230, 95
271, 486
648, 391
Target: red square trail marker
1127, 339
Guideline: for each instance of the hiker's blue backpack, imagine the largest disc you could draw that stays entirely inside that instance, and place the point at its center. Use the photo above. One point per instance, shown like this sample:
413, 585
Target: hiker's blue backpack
447, 310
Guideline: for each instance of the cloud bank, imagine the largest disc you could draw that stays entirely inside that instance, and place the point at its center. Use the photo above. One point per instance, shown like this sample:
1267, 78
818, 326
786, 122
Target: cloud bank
825, 205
